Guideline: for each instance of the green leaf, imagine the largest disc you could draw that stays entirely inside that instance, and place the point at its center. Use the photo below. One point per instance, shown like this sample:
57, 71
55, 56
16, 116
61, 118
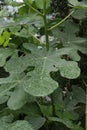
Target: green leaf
80, 14
3, 99
36, 122
23, 33
2, 39
66, 122
28, 1
17, 99
76, 96
6, 35
45, 62
63, 112
67, 35
69, 69
5, 121
79, 94
4, 54
6, 43
46, 110
31, 18
6, 124
71, 52
10, 82
69, 39
4, 88
40, 3
31, 110
1, 30
57, 96
20, 125
40, 82
80, 4
39, 87
15, 29
17, 64
80, 44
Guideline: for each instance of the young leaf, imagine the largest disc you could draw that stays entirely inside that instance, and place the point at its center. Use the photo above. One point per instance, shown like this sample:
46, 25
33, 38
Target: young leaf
2, 39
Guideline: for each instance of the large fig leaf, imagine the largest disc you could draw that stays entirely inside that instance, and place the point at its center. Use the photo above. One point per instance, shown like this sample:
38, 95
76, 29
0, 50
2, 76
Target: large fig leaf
39, 76
40, 83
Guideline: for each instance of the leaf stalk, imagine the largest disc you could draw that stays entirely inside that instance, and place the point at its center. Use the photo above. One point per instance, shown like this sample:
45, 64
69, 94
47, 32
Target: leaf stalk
45, 25
63, 20
35, 10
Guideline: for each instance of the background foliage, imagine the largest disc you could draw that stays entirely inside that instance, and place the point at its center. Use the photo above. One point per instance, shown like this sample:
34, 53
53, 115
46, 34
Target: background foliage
43, 61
